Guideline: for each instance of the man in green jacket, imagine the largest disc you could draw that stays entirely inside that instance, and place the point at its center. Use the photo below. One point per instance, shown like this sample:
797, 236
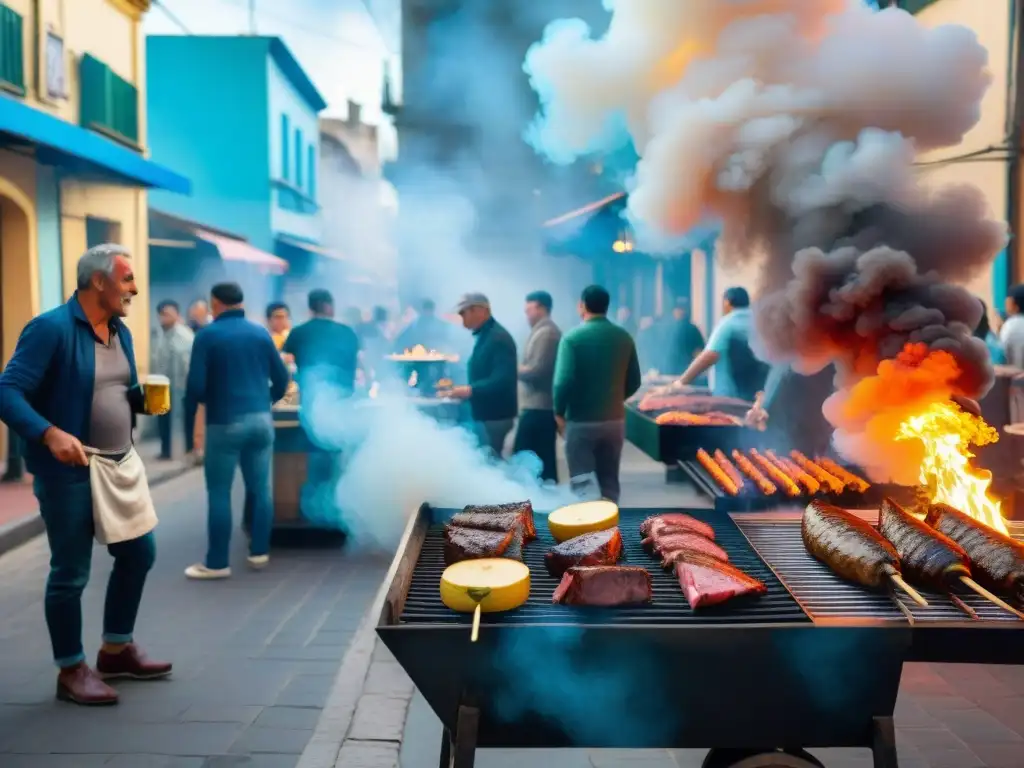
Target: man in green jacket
596, 371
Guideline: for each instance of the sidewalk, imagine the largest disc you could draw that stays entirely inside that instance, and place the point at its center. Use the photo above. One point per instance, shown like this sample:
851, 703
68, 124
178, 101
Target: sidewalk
255, 656
947, 716
19, 512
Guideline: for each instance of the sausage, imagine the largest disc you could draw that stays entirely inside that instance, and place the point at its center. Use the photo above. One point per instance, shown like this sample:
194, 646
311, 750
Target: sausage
729, 468
747, 468
852, 481
848, 545
794, 472
717, 473
927, 557
831, 482
779, 477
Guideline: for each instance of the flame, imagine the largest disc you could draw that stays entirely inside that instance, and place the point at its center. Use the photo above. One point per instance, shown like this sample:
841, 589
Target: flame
946, 433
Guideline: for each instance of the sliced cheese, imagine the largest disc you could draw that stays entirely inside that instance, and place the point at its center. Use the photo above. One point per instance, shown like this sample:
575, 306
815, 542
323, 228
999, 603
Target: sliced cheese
586, 517
498, 584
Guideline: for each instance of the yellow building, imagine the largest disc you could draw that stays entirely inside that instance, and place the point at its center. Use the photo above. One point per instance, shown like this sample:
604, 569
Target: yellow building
73, 167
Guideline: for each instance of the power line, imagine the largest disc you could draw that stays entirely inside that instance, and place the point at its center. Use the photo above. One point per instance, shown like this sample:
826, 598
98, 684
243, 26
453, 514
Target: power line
174, 19
287, 21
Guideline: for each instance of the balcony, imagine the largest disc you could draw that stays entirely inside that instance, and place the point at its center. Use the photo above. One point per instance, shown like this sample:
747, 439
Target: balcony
12, 52
109, 103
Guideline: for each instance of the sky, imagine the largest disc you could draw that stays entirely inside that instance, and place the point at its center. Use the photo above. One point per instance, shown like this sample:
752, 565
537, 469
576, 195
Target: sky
342, 44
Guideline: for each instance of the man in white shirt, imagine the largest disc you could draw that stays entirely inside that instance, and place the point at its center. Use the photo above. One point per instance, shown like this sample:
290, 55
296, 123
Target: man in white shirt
1011, 335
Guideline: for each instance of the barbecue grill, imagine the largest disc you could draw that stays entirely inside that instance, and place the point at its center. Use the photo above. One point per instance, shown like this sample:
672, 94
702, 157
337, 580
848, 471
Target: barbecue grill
754, 674
941, 632
751, 498
672, 443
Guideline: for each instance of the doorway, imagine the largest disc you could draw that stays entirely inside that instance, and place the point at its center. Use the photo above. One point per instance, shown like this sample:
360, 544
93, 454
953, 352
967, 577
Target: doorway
15, 295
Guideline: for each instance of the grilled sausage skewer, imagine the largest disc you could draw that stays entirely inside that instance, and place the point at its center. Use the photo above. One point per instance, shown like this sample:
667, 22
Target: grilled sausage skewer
852, 548
717, 473
928, 557
729, 468
852, 481
779, 477
747, 468
794, 472
833, 483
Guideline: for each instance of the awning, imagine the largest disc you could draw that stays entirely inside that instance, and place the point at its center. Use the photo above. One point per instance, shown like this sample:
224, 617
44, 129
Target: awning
61, 143
302, 245
239, 250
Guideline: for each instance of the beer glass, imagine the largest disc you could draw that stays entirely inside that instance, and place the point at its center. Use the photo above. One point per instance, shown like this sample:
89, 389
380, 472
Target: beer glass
157, 392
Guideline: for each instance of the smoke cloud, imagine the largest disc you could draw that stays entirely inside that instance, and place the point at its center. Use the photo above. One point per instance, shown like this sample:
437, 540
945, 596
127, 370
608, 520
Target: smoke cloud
795, 123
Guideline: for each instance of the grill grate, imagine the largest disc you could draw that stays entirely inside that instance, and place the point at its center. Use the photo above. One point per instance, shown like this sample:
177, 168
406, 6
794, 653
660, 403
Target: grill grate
750, 498
825, 596
423, 603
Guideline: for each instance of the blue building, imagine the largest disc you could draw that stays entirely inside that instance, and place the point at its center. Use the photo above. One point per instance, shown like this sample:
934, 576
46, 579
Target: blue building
240, 117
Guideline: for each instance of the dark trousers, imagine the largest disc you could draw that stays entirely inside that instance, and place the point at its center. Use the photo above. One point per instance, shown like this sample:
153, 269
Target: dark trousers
596, 446
66, 509
166, 424
537, 432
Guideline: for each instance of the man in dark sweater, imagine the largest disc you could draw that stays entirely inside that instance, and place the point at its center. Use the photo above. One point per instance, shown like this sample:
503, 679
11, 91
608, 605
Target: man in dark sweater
238, 373
596, 371
492, 371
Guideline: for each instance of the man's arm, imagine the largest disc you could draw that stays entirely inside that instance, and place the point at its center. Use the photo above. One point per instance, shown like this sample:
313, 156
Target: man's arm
633, 376
279, 376
541, 362
24, 373
503, 368
565, 375
711, 354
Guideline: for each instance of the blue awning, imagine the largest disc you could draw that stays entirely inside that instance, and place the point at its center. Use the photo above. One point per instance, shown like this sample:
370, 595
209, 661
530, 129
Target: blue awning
60, 143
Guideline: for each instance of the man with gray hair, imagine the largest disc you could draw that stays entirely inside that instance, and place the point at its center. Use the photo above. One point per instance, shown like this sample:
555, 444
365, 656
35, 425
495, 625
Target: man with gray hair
72, 382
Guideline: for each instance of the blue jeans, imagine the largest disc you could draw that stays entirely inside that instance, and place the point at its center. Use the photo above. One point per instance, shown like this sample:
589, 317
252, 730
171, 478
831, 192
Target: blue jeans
66, 509
249, 443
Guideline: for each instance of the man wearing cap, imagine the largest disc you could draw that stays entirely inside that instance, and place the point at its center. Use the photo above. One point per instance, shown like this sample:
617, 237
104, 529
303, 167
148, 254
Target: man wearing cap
492, 373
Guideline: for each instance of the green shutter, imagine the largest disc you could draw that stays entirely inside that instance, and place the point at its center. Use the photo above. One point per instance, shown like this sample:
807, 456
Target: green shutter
109, 103
12, 51
298, 158
286, 130
312, 172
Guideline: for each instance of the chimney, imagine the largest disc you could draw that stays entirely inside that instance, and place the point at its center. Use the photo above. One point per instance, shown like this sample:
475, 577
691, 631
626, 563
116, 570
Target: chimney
355, 113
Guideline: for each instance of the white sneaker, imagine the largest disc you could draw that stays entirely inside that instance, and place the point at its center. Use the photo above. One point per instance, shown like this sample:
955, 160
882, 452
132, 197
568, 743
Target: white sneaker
200, 571
257, 562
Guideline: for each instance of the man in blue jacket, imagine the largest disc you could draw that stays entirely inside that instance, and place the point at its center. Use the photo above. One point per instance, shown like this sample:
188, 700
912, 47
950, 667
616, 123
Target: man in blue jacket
238, 373
72, 382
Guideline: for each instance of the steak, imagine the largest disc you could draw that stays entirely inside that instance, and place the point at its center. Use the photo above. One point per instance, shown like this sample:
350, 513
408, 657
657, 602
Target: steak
678, 520
604, 586
522, 508
706, 581
473, 544
681, 538
499, 521
599, 548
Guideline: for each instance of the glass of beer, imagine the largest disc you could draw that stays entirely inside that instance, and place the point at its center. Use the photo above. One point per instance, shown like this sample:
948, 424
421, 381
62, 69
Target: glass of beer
157, 392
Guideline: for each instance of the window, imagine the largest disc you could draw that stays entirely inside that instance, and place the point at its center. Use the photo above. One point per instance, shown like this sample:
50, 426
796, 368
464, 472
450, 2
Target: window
109, 103
312, 171
12, 51
56, 86
298, 158
100, 231
285, 151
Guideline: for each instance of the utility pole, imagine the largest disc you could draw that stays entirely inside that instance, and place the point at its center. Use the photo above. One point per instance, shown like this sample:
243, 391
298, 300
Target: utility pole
252, 17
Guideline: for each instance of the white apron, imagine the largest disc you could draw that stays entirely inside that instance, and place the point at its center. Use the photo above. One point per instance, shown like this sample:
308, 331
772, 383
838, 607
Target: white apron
122, 508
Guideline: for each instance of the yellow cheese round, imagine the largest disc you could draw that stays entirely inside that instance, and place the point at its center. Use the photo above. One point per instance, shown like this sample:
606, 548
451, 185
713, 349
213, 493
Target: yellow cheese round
498, 584
586, 517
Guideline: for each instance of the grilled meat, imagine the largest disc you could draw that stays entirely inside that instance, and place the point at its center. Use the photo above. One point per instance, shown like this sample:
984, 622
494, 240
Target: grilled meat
801, 478
499, 521
852, 481
718, 475
778, 477
997, 561
692, 403
677, 519
706, 581
667, 542
927, 557
473, 544
766, 486
522, 508
829, 482
600, 548
729, 468
604, 585
848, 545
696, 545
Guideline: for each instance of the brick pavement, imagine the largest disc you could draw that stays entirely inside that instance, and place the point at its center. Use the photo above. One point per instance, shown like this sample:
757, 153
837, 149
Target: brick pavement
255, 656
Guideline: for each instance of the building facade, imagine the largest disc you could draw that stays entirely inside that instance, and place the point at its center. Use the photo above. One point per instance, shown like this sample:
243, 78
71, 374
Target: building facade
240, 116
74, 165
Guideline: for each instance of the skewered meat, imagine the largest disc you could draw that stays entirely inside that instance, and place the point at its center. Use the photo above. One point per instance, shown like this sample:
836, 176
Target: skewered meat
522, 508
663, 544
500, 521
793, 472
604, 585
706, 581
472, 544
677, 519
848, 545
687, 419
780, 478
997, 560
851, 480
721, 479
927, 557
766, 486
729, 468
831, 483
599, 548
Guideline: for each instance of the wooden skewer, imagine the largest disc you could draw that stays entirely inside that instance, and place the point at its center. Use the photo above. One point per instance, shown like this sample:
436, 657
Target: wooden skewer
475, 634
963, 606
911, 592
477, 594
903, 609
973, 585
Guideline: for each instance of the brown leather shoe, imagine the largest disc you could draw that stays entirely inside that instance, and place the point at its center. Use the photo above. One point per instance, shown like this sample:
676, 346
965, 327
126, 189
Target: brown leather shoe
131, 662
80, 685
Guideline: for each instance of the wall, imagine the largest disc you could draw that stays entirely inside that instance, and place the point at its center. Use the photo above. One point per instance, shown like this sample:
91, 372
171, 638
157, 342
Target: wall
207, 102
990, 21
19, 247
284, 99
48, 220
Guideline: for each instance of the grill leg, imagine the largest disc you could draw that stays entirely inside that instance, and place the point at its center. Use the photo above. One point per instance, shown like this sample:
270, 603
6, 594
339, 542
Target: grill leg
883, 743
446, 749
464, 743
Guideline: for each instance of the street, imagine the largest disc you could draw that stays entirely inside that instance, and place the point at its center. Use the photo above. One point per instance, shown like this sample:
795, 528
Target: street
255, 656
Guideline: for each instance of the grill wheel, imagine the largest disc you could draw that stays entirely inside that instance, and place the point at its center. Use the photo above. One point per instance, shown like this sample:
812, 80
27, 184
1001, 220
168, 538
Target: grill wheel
741, 758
